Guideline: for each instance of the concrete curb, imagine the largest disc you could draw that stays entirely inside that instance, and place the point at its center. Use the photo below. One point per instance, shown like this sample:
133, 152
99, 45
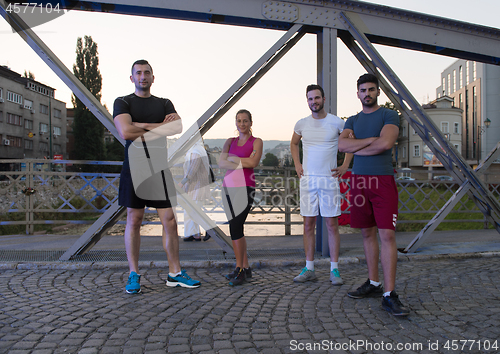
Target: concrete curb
257, 264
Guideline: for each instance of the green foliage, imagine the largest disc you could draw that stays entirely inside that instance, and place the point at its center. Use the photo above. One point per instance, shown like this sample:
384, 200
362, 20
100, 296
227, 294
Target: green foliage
114, 152
271, 160
29, 75
87, 129
420, 205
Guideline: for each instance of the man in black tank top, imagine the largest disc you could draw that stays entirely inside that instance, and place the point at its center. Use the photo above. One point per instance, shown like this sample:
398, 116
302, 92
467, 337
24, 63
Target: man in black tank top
145, 121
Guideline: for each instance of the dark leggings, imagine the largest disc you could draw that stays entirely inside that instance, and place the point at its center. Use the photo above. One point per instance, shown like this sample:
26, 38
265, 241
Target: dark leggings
236, 209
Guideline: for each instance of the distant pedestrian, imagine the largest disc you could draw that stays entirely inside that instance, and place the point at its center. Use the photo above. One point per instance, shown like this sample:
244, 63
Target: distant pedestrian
195, 183
239, 157
371, 135
318, 173
145, 121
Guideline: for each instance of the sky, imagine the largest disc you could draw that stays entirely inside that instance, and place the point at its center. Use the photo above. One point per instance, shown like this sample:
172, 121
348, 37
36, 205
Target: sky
195, 63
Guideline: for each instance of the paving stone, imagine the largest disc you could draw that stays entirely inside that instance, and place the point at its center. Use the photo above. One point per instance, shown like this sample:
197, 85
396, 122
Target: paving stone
265, 316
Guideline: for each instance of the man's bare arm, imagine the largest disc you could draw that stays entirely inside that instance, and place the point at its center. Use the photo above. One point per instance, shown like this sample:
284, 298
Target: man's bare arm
388, 136
126, 129
129, 130
294, 149
349, 144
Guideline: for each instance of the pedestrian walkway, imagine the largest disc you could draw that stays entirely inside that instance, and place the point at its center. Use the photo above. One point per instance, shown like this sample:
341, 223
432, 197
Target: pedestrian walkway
453, 297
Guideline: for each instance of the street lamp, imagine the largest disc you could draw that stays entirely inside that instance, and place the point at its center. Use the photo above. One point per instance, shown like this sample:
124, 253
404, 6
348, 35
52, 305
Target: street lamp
480, 131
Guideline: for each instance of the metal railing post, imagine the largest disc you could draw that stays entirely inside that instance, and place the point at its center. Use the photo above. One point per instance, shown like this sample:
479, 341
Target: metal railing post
30, 203
288, 211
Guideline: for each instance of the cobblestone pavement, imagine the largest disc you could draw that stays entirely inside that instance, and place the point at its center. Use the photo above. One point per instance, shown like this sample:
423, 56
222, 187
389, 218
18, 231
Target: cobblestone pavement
452, 300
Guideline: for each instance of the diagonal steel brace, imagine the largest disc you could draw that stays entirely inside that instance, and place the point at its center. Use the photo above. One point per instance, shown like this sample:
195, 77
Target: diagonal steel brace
208, 119
426, 128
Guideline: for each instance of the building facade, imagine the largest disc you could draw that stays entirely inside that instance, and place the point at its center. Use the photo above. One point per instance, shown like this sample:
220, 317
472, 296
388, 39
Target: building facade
32, 121
412, 152
475, 88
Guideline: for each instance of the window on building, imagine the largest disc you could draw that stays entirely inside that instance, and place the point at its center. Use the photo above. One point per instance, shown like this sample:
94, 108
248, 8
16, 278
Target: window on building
14, 97
443, 86
416, 150
445, 127
44, 109
404, 152
43, 146
449, 84
461, 101
403, 133
57, 148
57, 113
467, 72
1, 92
57, 130
28, 124
28, 144
14, 141
474, 64
28, 104
456, 128
44, 128
1, 116
14, 119
474, 105
460, 77
454, 85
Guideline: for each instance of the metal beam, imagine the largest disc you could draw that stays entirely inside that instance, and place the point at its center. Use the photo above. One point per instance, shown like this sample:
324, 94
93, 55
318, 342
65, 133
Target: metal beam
327, 78
381, 24
450, 204
199, 128
236, 91
59, 69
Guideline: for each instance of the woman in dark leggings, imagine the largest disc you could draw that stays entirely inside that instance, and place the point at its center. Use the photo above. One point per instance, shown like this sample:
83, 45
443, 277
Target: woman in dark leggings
239, 157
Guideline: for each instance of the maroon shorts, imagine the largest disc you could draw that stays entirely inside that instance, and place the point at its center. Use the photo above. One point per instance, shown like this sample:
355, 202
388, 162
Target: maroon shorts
374, 201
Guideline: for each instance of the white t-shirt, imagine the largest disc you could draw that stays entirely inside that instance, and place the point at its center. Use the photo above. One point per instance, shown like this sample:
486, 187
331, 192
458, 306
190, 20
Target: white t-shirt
320, 143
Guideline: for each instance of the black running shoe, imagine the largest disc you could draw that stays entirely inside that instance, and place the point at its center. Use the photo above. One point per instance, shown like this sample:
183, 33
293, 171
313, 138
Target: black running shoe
392, 304
238, 279
248, 272
234, 273
366, 290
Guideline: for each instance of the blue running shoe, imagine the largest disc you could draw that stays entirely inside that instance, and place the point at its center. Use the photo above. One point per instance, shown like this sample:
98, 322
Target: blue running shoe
133, 285
182, 280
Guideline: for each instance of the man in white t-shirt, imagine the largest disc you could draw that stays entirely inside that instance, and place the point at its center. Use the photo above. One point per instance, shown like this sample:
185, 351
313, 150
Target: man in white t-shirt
319, 186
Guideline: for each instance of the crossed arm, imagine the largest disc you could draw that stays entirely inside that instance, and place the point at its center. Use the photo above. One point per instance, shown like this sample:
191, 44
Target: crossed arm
233, 162
369, 146
129, 130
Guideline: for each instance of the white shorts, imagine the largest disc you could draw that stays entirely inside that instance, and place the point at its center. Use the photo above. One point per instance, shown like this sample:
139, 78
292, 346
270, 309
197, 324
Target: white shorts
320, 196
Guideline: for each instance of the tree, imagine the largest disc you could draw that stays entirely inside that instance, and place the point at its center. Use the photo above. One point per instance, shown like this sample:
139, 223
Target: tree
29, 75
271, 160
87, 129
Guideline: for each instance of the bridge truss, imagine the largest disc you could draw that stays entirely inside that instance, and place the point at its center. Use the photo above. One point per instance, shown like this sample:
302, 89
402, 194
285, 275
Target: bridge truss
358, 24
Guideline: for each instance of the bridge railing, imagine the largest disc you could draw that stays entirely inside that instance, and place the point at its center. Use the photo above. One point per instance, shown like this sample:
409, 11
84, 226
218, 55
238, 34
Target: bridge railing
60, 192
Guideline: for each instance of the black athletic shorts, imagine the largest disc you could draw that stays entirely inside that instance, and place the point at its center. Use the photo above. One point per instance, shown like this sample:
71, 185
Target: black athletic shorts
128, 198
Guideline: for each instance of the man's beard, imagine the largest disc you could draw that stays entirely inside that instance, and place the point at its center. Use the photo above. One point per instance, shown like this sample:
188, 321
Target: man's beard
370, 103
318, 109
